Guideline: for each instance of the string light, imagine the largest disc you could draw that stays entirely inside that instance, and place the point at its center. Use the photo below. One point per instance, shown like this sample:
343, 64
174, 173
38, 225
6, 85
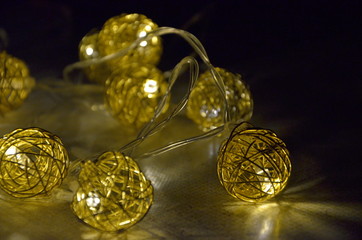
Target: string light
120, 31
133, 92
88, 50
253, 164
32, 162
113, 194
15, 82
206, 104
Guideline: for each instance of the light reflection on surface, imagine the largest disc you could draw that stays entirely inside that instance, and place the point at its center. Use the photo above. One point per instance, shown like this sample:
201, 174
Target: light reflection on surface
292, 216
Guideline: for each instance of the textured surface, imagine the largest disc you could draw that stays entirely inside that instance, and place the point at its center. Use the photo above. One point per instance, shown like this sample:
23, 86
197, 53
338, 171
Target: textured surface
206, 104
133, 93
88, 49
113, 194
15, 82
301, 60
32, 162
120, 31
253, 164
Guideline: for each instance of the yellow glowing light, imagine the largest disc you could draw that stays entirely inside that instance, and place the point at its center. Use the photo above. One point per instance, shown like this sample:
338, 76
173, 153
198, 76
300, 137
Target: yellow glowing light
150, 87
143, 43
113, 193
142, 34
33, 163
253, 164
206, 104
133, 92
121, 31
89, 51
93, 200
15, 82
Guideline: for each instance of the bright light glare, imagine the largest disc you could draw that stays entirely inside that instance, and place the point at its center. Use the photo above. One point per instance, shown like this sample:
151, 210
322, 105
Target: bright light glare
20, 158
93, 200
89, 51
150, 87
142, 34
12, 150
143, 44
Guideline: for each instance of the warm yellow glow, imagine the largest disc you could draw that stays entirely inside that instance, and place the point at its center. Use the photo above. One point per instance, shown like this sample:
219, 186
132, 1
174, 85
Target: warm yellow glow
113, 193
143, 43
142, 34
15, 82
89, 51
148, 28
121, 31
134, 92
150, 87
35, 161
20, 158
93, 200
253, 165
206, 104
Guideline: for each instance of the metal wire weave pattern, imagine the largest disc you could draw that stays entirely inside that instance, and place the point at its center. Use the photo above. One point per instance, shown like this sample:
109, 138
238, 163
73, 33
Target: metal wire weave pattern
253, 164
15, 82
113, 193
32, 162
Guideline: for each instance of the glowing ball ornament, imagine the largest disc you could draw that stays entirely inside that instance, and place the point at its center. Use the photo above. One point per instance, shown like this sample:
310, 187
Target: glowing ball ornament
15, 82
88, 49
121, 31
113, 193
206, 104
133, 93
32, 162
253, 164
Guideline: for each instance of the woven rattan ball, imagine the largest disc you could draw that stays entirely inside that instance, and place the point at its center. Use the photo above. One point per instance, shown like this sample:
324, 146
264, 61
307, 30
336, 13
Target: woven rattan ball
32, 162
133, 93
206, 104
253, 164
88, 49
121, 31
113, 193
15, 82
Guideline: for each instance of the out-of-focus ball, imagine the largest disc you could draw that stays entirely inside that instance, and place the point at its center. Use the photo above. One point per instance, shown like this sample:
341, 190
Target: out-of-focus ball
253, 164
15, 82
32, 162
113, 193
121, 31
133, 93
206, 104
88, 49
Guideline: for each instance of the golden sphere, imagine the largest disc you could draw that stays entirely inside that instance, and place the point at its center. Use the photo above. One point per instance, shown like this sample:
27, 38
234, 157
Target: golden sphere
133, 93
121, 31
206, 104
32, 162
15, 82
113, 193
253, 164
88, 49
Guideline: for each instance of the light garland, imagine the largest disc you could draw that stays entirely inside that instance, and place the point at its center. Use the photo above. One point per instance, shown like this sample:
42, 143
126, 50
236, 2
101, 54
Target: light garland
253, 164
133, 92
32, 162
113, 193
15, 82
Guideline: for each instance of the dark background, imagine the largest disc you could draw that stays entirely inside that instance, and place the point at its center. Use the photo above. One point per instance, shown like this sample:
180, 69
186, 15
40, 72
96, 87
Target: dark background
301, 60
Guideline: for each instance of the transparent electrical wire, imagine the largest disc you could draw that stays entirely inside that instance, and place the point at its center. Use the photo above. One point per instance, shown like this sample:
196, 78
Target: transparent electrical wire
152, 126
